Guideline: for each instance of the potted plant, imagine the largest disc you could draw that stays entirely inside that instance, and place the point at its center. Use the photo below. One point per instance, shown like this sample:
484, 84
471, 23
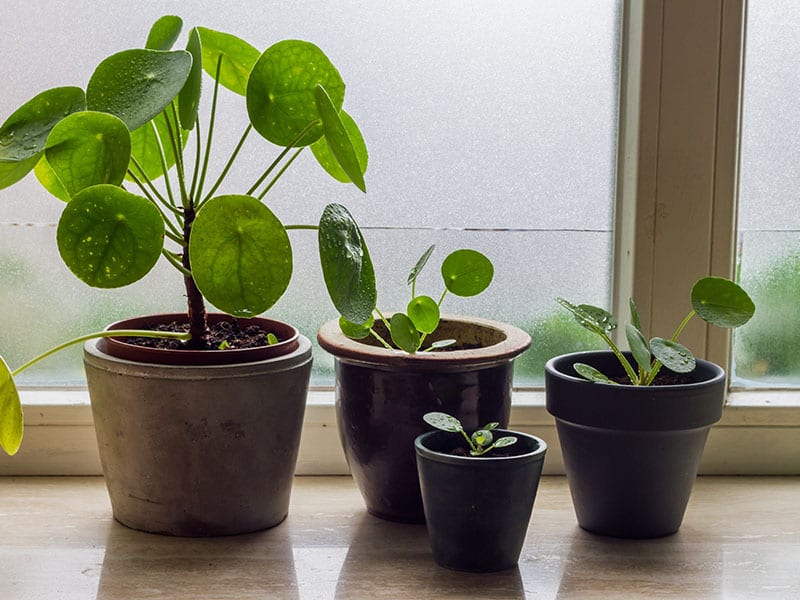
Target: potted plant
478, 492
632, 433
197, 435
391, 370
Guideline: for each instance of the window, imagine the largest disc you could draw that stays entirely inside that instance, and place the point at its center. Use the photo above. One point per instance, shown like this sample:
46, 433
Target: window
490, 125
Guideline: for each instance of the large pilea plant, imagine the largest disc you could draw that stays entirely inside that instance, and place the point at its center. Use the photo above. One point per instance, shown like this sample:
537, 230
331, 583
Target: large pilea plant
116, 155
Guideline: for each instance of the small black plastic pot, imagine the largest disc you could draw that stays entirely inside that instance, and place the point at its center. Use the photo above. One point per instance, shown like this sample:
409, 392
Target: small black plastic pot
477, 509
631, 453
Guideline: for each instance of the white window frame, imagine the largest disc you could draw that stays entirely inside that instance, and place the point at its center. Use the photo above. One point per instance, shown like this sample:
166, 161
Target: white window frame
678, 158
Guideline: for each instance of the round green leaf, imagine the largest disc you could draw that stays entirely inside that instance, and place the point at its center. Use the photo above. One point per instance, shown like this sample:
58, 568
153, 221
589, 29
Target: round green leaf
144, 146
164, 33
88, 148
482, 438
338, 138
404, 334
354, 330
676, 357
11, 421
238, 58
23, 136
280, 92
189, 97
424, 313
505, 441
240, 255
721, 302
109, 237
467, 272
442, 421
638, 346
325, 157
346, 265
135, 85
49, 180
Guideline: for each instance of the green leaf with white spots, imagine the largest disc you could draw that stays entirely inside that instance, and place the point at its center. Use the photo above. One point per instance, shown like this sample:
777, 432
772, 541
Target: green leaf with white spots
676, 357
136, 85
109, 237
237, 58
442, 421
592, 374
280, 92
88, 148
240, 255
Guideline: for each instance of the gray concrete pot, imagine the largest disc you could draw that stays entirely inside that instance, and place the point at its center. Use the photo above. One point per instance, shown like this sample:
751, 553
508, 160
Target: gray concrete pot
199, 450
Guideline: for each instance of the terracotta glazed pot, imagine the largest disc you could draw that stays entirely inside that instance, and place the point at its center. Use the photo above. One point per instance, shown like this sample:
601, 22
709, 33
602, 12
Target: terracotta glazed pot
198, 450
631, 453
477, 509
382, 394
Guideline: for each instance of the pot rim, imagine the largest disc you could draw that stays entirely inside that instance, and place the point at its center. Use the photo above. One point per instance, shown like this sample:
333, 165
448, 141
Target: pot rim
118, 348
552, 367
331, 338
489, 461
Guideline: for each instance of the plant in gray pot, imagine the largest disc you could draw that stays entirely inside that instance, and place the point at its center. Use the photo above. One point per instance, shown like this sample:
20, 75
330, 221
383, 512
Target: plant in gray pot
391, 371
632, 425
198, 434
478, 492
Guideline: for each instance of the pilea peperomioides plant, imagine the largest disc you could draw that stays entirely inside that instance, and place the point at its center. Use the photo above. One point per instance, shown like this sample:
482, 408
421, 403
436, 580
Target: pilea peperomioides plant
480, 442
716, 300
351, 285
129, 160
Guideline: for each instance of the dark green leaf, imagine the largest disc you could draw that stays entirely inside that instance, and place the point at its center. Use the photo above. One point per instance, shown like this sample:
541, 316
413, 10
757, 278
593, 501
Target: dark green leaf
109, 237
467, 272
325, 157
11, 421
721, 302
634, 314
280, 92
144, 146
424, 313
23, 136
85, 149
442, 421
676, 357
638, 346
164, 33
591, 317
404, 334
338, 138
238, 58
240, 255
591, 373
412, 277
189, 97
346, 265
136, 85
354, 330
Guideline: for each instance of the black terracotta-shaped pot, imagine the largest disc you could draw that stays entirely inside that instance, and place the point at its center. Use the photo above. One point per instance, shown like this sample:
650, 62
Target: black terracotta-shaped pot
382, 394
631, 453
477, 509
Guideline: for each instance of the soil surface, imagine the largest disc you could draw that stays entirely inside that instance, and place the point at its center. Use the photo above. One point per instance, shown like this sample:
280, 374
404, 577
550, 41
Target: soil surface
223, 335
495, 453
664, 377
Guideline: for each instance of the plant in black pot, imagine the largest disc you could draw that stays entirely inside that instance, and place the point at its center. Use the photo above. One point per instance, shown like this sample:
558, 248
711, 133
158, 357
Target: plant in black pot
478, 492
632, 425
390, 371
197, 435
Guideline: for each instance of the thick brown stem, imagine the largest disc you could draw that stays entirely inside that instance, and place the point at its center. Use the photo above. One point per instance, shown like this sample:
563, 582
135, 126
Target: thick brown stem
198, 326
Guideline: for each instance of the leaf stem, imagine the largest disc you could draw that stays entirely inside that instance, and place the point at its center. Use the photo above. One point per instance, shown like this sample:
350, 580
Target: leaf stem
101, 334
228, 165
163, 157
211, 121
175, 261
380, 339
281, 172
177, 150
683, 324
280, 156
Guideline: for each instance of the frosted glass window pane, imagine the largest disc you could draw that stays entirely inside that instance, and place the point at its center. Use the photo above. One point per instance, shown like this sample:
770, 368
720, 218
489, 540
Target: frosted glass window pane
767, 350
490, 125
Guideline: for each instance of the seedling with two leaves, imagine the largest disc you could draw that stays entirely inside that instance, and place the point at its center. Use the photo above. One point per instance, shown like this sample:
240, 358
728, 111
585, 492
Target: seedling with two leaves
480, 442
716, 300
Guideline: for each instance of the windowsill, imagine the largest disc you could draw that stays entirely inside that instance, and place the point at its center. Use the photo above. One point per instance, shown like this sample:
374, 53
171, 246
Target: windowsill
59, 540
757, 434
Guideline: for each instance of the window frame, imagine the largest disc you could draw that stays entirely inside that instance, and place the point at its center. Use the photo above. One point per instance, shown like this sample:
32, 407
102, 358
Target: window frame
675, 220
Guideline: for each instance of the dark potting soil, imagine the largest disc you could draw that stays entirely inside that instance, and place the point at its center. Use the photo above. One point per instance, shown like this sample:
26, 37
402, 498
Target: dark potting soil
496, 453
664, 377
223, 335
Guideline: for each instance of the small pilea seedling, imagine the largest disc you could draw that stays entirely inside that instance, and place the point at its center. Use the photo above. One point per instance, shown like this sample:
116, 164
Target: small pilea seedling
716, 300
480, 442
351, 287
